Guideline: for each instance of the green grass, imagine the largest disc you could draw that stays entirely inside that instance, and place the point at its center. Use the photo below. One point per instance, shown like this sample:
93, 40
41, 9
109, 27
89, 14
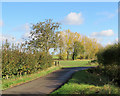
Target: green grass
7, 83
83, 83
76, 63
55, 57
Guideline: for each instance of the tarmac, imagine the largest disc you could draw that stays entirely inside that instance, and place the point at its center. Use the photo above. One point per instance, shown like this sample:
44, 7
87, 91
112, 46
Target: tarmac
43, 85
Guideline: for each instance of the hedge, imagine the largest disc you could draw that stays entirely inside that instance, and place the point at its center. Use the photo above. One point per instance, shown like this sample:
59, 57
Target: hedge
17, 60
109, 59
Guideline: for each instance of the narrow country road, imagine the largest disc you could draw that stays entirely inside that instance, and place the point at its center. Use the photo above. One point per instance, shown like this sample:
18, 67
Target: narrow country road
43, 85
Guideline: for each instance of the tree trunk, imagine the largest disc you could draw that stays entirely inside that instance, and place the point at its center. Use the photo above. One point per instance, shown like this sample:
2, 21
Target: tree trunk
60, 54
67, 55
73, 57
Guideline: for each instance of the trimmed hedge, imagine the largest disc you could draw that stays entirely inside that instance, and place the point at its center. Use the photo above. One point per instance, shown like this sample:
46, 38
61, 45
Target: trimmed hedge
17, 61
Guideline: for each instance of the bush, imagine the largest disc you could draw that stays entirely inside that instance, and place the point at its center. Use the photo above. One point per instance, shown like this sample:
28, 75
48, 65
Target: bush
109, 55
18, 61
109, 59
62, 56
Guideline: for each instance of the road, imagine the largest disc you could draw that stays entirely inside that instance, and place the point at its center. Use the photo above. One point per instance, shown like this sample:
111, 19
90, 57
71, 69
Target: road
43, 85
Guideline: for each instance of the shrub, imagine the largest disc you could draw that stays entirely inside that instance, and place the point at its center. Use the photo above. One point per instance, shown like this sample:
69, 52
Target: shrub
109, 55
16, 61
109, 58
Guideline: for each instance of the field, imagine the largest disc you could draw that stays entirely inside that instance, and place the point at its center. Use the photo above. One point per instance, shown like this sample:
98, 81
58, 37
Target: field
78, 63
83, 83
55, 57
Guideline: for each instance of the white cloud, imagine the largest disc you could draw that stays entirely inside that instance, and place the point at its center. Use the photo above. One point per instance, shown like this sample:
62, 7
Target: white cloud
99, 39
27, 27
27, 30
73, 19
24, 29
103, 33
107, 14
1, 23
116, 39
8, 37
118, 10
19, 41
109, 43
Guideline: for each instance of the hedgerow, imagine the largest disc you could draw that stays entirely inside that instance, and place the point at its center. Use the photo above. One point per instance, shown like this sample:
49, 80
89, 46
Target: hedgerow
109, 62
18, 60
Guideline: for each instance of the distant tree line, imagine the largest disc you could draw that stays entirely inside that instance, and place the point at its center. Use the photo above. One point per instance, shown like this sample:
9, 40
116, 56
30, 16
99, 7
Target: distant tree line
75, 45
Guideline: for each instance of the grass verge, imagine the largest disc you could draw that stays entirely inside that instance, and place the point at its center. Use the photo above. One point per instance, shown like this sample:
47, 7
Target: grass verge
8, 83
85, 83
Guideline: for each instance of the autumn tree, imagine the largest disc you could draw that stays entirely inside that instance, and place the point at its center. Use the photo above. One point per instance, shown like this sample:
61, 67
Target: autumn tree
73, 44
69, 40
77, 49
61, 44
91, 47
43, 35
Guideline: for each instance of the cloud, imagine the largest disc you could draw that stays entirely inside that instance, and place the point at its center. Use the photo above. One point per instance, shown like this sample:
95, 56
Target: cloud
19, 41
1, 23
8, 37
109, 43
27, 27
73, 19
107, 14
103, 33
24, 29
117, 10
27, 30
116, 39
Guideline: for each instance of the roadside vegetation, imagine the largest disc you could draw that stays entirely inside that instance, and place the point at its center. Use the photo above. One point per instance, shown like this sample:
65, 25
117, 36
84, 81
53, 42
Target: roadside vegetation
32, 59
102, 80
34, 54
85, 83
109, 63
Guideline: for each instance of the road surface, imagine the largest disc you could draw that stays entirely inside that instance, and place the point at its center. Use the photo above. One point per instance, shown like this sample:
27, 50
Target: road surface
43, 85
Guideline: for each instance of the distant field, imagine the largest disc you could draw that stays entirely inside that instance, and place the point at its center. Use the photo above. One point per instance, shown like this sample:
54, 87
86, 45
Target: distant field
83, 83
76, 63
55, 57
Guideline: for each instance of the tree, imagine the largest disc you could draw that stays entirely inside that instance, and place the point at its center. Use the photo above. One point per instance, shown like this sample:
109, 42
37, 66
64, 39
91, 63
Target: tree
61, 44
69, 38
77, 49
43, 36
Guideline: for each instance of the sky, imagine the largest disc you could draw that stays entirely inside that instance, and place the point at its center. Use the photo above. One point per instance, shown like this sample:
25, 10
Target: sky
93, 19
